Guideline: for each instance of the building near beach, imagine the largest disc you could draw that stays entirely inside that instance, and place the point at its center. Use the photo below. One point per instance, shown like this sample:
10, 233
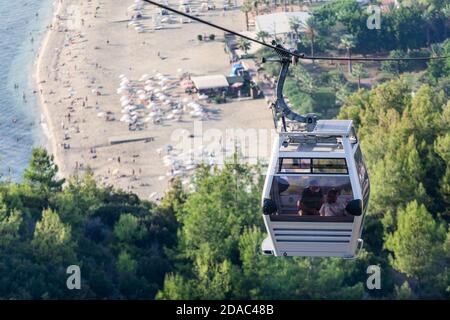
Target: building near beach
278, 23
206, 84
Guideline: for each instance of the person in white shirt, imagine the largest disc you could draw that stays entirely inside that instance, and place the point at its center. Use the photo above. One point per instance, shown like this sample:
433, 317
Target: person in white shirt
332, 207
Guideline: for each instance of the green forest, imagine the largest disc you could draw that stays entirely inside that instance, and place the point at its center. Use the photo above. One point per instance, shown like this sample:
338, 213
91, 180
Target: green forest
205, 243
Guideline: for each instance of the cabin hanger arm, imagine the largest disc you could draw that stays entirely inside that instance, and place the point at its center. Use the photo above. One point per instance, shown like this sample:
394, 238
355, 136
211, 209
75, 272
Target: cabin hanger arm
281, 107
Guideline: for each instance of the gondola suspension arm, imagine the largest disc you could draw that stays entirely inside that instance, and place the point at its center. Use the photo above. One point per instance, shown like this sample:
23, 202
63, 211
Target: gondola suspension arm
281, 106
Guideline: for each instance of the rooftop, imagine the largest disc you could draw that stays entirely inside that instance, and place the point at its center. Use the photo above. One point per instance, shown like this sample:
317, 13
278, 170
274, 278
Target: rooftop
308, 147
337, 127
279, 22
210, 82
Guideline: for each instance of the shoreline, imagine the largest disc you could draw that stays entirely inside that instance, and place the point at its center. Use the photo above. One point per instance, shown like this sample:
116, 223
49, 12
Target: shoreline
77, 74
43, 106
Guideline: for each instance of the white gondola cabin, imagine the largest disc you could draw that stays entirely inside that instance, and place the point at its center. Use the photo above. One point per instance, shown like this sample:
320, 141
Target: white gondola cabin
316, 193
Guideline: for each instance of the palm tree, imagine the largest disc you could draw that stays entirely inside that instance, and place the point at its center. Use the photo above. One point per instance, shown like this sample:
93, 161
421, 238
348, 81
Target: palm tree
255, 4
244, 45
348, 43
428, 18
359, 72
446, 13
311, 30
262, 36
294, 25
267, 4
246, 8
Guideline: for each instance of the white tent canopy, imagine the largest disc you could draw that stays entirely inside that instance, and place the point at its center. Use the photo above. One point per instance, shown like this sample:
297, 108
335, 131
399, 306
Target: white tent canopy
210, 82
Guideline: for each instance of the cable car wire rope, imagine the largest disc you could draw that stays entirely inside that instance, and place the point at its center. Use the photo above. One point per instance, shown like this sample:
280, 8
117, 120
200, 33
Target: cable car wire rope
283, 50
286, 57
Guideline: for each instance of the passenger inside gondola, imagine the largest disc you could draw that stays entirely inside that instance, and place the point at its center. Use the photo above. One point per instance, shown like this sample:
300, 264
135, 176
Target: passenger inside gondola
311, 200
333, 206
306, 198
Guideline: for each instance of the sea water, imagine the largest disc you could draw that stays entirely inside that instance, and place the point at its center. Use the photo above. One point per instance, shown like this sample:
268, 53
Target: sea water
22, 27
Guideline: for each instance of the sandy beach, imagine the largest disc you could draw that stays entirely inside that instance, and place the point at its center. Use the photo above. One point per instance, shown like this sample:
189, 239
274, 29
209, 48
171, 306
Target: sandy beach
91, 50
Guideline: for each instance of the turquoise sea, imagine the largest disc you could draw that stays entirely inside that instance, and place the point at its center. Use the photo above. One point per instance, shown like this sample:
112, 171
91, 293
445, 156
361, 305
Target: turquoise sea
22, 27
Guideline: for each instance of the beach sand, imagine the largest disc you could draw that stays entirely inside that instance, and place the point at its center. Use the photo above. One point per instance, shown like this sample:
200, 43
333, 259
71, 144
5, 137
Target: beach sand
87, 47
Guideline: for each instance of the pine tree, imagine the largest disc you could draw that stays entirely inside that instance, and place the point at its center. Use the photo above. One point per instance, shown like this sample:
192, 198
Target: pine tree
418, 242
128, 229
52, 239
42, 172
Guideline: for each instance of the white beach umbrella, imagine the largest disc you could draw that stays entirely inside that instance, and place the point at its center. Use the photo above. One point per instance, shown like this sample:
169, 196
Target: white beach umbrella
127, 108
178, 172
125, 118
125, 103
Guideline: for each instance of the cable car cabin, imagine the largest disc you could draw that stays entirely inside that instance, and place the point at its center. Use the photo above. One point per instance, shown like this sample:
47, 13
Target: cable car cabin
316, 193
